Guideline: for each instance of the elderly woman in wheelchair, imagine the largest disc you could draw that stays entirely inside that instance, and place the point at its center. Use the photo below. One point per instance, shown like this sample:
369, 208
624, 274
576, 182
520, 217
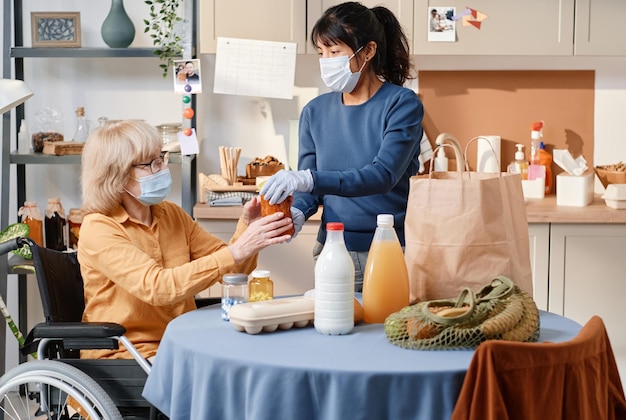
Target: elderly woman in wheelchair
141, 260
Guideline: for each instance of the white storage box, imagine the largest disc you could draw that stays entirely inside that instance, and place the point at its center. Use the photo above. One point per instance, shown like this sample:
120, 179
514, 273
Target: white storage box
535, 188
575, 191
615, 196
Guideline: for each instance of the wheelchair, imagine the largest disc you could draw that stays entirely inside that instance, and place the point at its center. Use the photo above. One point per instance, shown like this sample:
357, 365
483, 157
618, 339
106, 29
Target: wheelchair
60, 385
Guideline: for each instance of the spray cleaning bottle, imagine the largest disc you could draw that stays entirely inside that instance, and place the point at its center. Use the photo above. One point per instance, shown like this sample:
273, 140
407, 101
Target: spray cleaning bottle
535, 169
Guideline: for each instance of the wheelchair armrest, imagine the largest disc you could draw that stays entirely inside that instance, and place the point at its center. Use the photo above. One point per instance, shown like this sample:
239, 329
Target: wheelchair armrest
78, 330
202, 302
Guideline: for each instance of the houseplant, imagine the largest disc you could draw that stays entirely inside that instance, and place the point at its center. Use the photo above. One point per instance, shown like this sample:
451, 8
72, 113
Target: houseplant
163, 17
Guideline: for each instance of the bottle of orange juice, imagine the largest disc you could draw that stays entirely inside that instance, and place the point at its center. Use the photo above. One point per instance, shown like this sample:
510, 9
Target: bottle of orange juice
386, 278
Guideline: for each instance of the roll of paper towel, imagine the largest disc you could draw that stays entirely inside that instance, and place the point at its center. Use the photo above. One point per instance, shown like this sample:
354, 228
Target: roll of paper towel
488, 154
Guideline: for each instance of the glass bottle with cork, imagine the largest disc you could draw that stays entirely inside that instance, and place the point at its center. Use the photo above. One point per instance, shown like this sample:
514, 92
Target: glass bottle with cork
55, 225
83, 126
260, 286
386, 278
31, 215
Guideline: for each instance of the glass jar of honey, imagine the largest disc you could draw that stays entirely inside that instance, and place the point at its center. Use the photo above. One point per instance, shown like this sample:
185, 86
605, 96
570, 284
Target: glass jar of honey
260, 286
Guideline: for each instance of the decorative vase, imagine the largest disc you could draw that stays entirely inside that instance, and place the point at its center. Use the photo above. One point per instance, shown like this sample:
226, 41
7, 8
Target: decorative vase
117, 29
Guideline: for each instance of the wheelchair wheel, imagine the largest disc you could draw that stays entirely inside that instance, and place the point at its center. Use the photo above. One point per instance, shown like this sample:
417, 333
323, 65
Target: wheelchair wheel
53, 390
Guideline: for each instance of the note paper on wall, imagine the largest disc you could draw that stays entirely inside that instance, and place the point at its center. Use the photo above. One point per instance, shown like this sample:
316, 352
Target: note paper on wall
255, 68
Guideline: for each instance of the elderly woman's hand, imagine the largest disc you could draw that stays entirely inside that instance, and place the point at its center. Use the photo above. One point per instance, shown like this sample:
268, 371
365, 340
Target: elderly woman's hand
261, 233
252, 210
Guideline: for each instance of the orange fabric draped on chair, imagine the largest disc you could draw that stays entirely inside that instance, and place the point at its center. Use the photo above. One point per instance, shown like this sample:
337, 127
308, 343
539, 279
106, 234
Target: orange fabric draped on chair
577, 379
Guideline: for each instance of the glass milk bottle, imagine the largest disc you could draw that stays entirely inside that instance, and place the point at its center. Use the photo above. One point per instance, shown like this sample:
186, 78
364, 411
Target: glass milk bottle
334, 285
260, 287
31, 215
386, 278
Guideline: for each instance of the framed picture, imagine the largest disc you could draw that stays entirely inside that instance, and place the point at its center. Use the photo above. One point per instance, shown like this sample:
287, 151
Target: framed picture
55, 29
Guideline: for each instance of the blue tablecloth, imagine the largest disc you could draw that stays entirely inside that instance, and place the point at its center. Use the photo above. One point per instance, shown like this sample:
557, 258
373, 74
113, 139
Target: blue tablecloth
205, 369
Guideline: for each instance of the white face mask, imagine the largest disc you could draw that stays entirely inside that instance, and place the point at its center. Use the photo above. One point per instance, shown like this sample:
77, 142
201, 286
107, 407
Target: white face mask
154, 188
337, 75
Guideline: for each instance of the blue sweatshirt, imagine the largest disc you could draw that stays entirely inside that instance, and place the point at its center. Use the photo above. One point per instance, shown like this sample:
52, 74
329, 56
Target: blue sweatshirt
361, 158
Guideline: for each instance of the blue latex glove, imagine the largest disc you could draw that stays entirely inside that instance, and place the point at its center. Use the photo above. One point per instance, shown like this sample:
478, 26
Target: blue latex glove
283, 183
298, 221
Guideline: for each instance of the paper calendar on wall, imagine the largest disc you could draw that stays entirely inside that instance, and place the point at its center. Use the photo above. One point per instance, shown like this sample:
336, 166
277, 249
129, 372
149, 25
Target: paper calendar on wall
255, 68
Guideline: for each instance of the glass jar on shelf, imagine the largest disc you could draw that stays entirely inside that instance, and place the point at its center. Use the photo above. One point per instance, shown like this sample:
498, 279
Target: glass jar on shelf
74, 221
169, 132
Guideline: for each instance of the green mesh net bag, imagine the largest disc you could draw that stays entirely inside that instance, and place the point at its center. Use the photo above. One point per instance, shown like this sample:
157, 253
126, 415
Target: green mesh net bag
498, 311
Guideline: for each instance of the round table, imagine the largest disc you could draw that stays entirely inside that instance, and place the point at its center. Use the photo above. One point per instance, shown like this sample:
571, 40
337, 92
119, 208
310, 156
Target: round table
205, 369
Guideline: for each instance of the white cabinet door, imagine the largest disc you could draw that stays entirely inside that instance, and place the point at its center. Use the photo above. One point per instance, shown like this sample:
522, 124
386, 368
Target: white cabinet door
539, 238
509, 27
599, 30
588, 277
267, 20
403, 9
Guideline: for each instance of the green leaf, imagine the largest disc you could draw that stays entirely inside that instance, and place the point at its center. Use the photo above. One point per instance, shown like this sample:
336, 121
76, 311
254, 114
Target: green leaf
17, 230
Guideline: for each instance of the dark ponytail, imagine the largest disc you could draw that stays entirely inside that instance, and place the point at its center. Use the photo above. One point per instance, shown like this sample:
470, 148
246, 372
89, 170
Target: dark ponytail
397, 65
355, 25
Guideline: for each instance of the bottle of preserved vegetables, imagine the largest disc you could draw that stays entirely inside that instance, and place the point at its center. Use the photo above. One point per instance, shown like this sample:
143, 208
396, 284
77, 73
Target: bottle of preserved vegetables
74, 221
55, 225
31, 215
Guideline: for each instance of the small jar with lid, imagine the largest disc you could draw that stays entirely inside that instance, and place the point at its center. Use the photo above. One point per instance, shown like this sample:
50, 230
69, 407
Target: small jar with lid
234, 291
74, 221
260, 286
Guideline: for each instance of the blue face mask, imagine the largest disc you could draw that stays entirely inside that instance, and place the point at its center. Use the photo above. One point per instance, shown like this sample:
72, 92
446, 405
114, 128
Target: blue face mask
154, 188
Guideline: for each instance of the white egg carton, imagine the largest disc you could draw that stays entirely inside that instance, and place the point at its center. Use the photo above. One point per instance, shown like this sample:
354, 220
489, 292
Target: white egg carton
270, 315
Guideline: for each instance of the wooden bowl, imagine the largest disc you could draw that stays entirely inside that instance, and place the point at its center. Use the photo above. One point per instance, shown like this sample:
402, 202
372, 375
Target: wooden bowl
610, 176
252, 171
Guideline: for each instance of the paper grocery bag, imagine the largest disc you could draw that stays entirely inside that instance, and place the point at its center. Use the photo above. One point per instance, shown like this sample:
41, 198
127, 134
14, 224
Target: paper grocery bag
463, 229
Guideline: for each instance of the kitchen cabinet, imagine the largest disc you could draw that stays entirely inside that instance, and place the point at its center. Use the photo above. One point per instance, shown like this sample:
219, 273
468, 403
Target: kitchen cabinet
511, 27
403, 9
597, 31
268, 20
587, 277
539, 241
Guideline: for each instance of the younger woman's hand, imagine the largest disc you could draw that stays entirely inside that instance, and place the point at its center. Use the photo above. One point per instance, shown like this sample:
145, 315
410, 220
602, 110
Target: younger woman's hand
260, 234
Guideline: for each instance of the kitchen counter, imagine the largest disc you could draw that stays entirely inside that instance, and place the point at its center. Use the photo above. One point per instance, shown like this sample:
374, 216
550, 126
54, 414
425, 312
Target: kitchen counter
537, 210
545, 210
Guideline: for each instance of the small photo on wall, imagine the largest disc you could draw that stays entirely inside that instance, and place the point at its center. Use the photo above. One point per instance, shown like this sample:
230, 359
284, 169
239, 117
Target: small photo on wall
186, 75
441, 25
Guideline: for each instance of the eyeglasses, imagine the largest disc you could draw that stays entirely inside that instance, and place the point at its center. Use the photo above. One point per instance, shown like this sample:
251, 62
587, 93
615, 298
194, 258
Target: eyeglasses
157, 164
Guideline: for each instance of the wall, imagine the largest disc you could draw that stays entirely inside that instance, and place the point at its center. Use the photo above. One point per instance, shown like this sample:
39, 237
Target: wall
134, 88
